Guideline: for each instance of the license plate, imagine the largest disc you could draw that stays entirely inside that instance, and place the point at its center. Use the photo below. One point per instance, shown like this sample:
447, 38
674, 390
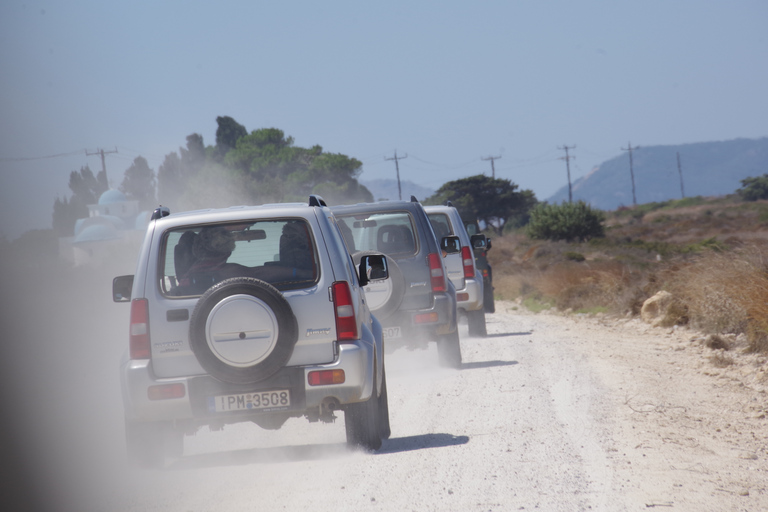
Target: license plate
392, 332
260, 401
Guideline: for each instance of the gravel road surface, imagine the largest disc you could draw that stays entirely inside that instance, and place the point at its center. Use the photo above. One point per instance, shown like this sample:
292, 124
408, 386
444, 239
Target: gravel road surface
550, 413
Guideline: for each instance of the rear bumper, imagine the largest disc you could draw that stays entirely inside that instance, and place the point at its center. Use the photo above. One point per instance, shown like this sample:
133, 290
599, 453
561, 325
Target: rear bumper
470, 298
415, 326
356, 359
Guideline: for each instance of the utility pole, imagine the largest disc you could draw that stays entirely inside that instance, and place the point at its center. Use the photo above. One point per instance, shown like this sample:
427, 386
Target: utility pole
103, 162
493, 169
568, 168
397, 168
680, 172
631, 170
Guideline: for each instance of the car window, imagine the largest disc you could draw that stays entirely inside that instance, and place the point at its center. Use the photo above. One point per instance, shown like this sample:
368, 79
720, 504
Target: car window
279, 251
440, 225
388, 233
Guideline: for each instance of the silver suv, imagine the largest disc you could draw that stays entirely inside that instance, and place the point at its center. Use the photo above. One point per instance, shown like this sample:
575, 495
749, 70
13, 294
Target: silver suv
253, 314
417, 304
462, 272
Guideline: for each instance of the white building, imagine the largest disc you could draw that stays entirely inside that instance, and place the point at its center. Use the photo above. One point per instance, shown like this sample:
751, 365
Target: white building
114, 224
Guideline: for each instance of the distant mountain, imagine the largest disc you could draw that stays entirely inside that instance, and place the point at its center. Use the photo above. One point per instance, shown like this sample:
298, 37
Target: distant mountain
708, 169
387, 189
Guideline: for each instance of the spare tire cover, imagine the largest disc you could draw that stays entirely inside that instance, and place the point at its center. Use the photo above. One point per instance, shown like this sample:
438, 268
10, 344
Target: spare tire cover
384, 297
242, 330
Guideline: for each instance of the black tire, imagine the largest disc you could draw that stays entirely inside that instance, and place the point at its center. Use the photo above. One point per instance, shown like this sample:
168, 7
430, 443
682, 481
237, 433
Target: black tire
384, 427
361, 421
488, 304
476, 323
449, 350
149, 443
396, 281
263, 302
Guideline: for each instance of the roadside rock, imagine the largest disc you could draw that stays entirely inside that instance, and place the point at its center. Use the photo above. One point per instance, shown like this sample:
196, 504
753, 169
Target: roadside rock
663, 310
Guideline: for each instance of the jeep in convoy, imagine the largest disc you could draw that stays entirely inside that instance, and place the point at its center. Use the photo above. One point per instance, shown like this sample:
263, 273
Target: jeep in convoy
417, 304
461, 268
249, 314
481, 244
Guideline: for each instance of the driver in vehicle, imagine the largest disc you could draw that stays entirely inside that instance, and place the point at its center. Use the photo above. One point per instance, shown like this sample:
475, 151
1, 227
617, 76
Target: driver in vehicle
202, 259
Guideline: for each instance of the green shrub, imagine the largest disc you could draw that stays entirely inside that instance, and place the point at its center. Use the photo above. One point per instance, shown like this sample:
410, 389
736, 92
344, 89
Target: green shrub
574, 256
567, 221
753, 189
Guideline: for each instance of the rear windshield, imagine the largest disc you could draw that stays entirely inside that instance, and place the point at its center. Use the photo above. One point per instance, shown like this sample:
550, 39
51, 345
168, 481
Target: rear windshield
440, 225
278, 251
388, 233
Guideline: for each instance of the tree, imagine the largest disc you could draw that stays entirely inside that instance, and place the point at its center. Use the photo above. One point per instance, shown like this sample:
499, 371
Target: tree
567, 221
139, 183
753, 189
193, 157
493, 201
86, 189
178, 169
276, 170
227, 135
170, 180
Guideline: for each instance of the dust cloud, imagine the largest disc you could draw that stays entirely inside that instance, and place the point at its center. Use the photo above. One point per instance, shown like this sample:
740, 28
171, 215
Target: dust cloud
63, 433
63, 337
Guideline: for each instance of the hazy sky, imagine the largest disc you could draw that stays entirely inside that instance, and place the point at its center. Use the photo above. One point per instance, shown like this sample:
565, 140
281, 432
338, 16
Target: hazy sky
445, 82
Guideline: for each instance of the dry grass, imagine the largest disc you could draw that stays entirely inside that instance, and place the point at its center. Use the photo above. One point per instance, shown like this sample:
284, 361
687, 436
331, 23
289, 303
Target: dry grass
709, 256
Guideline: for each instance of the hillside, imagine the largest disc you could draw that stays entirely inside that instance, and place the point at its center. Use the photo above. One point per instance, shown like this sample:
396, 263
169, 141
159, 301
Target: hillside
708, 169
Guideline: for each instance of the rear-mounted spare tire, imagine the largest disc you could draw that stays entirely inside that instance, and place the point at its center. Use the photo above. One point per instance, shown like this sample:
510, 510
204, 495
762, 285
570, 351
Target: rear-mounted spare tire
242, 330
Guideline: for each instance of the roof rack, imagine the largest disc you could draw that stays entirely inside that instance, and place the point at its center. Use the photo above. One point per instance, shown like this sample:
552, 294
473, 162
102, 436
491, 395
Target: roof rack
160, 211
315, 200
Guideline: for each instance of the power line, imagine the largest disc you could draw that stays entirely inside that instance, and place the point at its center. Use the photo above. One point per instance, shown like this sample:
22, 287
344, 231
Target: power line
631, 170
38, 157
493, 169
567, 159
397, 168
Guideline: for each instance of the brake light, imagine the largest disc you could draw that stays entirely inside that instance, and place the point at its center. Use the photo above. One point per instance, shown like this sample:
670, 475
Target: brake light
326, 377
468, 261
346, 323
166, 391
436, 274
426, 318
138, 342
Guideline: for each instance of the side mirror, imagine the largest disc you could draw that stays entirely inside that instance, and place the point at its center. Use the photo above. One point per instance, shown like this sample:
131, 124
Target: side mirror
489, 245
479, 241
121, 288
450, 244
373, 267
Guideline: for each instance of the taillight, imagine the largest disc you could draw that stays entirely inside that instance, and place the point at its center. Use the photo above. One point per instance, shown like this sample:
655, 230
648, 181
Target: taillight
166, 391
326, 377
436, 273
139, 330
467, 260
346, 324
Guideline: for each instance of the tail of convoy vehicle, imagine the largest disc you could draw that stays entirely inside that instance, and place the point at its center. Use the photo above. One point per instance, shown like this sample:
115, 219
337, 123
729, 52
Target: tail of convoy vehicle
481, 244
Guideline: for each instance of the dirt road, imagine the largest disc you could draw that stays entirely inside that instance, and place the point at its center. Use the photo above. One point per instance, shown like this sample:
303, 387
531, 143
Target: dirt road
547, 413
